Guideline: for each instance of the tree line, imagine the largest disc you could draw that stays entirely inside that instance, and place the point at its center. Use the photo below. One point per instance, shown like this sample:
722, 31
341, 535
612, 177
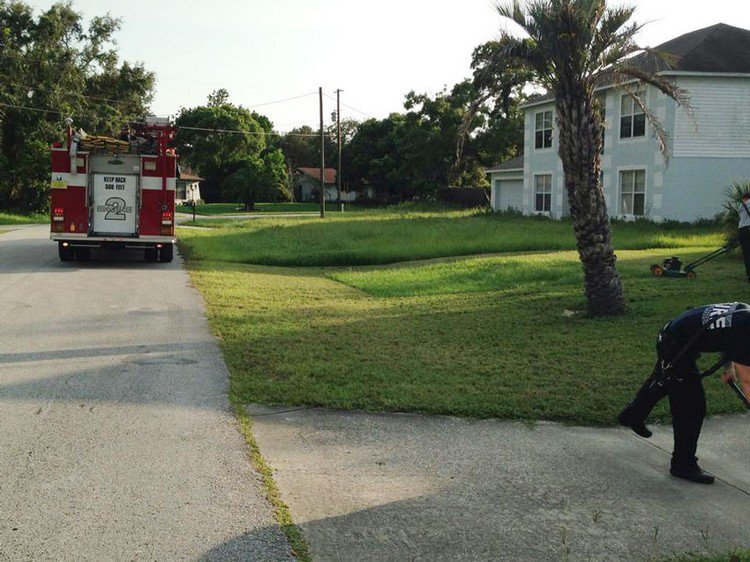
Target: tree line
53, 67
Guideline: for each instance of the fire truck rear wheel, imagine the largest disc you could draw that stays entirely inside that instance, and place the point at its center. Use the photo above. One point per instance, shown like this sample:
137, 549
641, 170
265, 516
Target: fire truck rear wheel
65, 252
166, 254
152, 254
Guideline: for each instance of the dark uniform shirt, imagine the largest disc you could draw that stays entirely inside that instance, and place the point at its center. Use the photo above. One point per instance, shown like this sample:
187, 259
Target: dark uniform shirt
727, 330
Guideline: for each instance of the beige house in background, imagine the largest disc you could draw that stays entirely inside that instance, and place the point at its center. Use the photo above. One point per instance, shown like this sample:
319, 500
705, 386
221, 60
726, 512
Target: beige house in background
307, 185
188, 187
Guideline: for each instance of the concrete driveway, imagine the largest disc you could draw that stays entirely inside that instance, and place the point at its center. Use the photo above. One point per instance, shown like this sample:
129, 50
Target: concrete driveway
116, 438
409, 487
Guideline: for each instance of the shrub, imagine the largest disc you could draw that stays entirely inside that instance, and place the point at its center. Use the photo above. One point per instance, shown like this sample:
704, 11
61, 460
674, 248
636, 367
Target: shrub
731, 215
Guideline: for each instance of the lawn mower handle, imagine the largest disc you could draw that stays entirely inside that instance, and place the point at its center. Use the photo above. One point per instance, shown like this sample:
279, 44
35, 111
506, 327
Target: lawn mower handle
738, 392
732, 383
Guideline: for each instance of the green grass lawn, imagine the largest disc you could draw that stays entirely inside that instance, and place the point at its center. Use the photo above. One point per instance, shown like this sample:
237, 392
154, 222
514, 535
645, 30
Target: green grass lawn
496, 336
14, 219
237, 208
387, 236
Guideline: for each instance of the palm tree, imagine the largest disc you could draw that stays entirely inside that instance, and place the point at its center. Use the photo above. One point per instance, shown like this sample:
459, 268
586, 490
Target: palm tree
573, 46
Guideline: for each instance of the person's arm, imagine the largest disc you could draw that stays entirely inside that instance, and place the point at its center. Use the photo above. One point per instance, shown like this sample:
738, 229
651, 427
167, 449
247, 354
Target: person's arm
729, 373
743, 374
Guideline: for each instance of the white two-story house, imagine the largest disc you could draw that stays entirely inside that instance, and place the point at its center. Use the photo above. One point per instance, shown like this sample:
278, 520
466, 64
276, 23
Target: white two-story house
707, 151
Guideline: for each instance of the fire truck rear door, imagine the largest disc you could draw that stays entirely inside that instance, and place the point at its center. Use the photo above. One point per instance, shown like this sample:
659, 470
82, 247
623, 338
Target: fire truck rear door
115, 204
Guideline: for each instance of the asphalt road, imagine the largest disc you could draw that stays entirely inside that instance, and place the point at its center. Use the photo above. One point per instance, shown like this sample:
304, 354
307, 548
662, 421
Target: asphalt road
116, 438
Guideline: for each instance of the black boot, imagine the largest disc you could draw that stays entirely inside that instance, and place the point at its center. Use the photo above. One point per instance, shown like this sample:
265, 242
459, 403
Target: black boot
634, 415
690, 471
628, 417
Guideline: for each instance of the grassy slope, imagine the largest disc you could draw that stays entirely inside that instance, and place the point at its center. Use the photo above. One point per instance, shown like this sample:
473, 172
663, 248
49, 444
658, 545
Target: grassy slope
484, 337
10, 219
387, 237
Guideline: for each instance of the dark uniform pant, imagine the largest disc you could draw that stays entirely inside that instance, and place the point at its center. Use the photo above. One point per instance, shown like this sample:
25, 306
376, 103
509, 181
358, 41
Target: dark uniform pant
683, 384
744, 234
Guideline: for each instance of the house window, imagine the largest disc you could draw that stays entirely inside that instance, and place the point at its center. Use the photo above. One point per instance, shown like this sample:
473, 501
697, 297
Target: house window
633, 192
632, 119
543, 130
543, 193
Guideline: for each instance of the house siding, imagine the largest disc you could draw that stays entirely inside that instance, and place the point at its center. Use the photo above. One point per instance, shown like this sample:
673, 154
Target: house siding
697, 187
721, 124
693, 182
541, 161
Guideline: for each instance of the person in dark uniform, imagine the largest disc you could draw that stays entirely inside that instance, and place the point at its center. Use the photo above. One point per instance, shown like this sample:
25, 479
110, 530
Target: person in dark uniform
721, 328
744, 231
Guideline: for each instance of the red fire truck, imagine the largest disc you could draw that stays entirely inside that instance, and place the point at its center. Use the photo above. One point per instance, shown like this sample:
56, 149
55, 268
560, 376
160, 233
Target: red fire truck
116, 193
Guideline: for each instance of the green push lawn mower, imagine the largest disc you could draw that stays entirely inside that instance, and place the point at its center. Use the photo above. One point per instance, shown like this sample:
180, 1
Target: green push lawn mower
672, 267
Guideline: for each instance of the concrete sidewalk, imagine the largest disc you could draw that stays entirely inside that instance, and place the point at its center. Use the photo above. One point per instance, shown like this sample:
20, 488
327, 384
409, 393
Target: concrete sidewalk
410, 487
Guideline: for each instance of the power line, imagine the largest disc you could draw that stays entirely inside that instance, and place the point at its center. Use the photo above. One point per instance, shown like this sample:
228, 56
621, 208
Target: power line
284, 100
98, 98
350, 107
29, 108
63, 92
202, 129
258, 133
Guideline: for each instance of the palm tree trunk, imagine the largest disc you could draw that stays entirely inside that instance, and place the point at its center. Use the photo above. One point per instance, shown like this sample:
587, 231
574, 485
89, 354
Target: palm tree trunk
580, 133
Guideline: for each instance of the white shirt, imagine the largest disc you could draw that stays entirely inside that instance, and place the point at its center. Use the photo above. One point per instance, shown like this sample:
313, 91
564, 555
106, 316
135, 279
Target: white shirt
744, 217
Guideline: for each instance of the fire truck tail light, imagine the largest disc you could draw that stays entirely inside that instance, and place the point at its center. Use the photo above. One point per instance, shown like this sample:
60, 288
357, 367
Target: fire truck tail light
58, 214
166, 218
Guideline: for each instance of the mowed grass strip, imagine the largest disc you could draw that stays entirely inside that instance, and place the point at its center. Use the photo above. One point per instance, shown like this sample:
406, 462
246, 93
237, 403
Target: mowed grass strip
390, 236
538, 272
14, 219
506, 347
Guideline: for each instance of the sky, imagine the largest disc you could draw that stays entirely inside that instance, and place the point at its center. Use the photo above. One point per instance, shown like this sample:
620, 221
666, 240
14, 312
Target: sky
265, 51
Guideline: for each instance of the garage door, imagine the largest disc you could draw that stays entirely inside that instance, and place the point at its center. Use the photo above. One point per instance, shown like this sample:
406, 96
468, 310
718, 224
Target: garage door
508, 195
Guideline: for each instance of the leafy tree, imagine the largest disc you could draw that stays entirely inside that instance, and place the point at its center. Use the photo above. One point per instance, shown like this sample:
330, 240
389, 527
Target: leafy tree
258, 177
492, 130
374, 157
301, 147
414, 154
572, 46
52, 67
214, 137
217, 98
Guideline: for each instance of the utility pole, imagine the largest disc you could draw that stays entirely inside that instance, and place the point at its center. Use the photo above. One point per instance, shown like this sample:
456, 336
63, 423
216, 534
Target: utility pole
338, 141
322, 159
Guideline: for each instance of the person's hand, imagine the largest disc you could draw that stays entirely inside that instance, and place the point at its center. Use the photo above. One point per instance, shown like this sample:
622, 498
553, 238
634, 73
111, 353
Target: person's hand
729, 373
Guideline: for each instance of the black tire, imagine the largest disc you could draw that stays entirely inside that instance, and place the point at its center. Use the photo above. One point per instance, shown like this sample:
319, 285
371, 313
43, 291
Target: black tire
166, 254
65, 252
152, 254
83, 254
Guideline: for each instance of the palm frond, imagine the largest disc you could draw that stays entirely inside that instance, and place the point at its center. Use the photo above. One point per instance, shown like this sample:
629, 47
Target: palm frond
512, 11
